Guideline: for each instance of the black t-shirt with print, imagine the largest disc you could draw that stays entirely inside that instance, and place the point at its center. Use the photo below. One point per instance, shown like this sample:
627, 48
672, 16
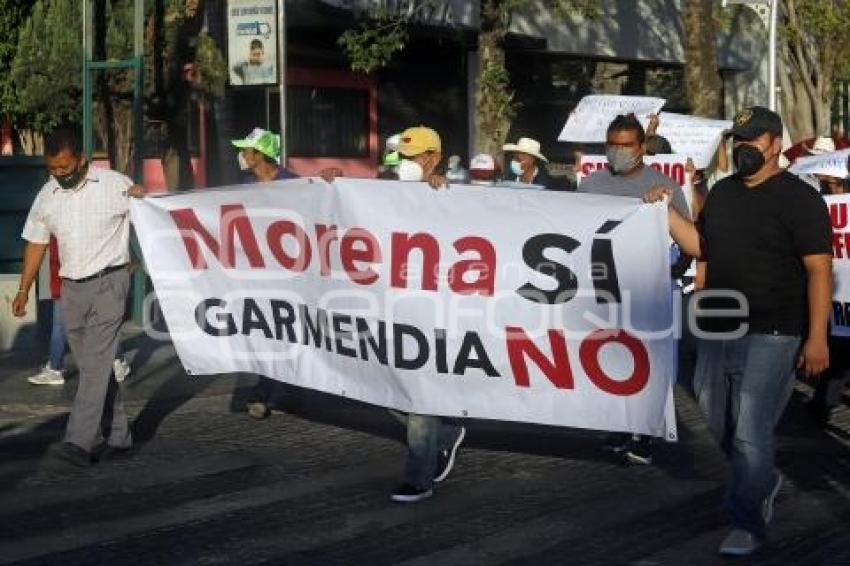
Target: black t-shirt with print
753, 240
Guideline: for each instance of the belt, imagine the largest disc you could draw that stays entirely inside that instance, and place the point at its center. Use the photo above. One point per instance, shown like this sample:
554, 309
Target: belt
101, 273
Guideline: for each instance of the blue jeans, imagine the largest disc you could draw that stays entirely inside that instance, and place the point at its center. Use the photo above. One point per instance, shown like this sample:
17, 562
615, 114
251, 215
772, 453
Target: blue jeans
58, 340
742, 387
427, 436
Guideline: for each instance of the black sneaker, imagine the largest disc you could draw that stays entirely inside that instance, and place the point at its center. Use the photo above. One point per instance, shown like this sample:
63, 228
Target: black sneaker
72, 454
639, 451
446, 458
407, 493
617, 442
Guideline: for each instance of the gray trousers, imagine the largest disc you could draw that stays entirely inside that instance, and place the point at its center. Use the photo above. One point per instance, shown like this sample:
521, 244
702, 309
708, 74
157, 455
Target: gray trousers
94, 312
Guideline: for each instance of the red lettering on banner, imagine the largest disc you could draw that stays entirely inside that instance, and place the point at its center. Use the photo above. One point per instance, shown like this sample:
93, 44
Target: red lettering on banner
838, 215
484, 267
589, 355
233, 222
557, 371
841, 245
350, 253
324, 236
402, 245
274, 237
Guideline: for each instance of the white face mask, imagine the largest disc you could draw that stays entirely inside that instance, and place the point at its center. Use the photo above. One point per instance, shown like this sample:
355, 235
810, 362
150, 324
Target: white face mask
409, 170
243, 165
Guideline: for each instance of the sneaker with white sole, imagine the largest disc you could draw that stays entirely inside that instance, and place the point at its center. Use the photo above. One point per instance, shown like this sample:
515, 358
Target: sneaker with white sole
446, 458
739, 543
47, 376
121, 369
407, 493
767, 505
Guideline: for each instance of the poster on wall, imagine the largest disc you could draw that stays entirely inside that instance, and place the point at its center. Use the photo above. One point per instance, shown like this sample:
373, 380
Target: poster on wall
252, 42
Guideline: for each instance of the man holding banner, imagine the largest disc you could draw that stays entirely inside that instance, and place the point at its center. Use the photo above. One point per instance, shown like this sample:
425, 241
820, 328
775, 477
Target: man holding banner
628, 176
765, 237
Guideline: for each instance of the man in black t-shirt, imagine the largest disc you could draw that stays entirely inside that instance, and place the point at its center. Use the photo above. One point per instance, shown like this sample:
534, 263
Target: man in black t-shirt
766, 239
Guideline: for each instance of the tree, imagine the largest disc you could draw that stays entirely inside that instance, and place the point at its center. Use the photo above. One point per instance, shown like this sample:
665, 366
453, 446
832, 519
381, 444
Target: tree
46, 71
813, 56
372, 45
13, 14
702, 78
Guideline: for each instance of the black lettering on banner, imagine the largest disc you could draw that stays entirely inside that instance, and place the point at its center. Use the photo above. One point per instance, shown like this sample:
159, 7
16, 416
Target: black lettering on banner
201, 318
399, 332
367, 342
440, 350
281, 322
533, 255
253, 319
317, 330
472, 343
341, 334
841, 313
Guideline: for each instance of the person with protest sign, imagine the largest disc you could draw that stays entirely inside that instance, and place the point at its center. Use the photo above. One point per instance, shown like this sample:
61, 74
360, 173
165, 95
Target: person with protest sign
527, 165
432, 442
766, 239
628, 176
87, 210
482, 170
830, 384
388, 167
455, 172
259, 157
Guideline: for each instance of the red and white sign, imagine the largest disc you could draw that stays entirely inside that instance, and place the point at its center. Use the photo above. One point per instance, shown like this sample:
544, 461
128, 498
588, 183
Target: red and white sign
839, 213
470, 302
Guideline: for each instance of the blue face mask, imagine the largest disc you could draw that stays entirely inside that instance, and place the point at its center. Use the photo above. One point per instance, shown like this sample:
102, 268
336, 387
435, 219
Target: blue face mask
516, 168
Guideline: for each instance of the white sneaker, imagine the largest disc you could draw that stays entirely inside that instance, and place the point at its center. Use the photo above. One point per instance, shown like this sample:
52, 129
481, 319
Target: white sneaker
121, 369
739, 543
47, 376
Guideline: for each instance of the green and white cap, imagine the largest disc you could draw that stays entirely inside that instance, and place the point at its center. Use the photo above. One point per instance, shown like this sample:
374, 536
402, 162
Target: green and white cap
264, 141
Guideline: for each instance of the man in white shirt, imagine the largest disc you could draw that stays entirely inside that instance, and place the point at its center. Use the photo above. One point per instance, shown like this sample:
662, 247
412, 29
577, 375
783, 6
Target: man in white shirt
87, 210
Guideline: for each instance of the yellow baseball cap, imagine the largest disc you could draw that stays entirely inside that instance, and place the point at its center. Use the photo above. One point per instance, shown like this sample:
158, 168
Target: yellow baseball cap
418, 140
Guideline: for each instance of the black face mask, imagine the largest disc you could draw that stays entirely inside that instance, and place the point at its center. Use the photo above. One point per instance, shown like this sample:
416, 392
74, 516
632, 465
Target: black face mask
72, 179
748, 160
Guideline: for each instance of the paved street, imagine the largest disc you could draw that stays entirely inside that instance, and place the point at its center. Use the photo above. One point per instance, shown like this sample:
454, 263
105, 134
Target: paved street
311, 485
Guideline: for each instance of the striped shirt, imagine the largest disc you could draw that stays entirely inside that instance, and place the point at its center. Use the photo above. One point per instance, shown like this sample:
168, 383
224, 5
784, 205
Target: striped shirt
91, 223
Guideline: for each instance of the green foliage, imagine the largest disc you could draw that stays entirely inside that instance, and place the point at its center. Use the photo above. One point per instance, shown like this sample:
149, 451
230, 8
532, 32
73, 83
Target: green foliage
372, 45
13, 13
46, 69
210, 69
826, 23
495, 96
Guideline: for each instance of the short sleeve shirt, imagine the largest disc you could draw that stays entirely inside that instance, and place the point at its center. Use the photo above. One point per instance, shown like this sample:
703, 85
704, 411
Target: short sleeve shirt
91, 223
635, 185
754, 240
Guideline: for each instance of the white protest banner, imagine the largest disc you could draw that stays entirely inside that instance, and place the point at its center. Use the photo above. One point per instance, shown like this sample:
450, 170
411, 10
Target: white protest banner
833, 164
588, 123
839, 213
252, 42
672, 165
475, 302
692, 136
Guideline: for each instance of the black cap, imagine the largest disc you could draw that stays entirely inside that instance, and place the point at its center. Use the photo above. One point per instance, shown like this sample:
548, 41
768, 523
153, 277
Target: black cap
753, 121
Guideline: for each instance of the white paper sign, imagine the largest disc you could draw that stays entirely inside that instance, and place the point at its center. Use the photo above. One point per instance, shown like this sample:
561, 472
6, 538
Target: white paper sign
463, 303
692, 136
589, 122
833, 164
839, 213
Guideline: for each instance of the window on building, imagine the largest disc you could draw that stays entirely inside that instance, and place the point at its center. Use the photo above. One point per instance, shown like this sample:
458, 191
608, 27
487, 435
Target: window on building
322, 121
